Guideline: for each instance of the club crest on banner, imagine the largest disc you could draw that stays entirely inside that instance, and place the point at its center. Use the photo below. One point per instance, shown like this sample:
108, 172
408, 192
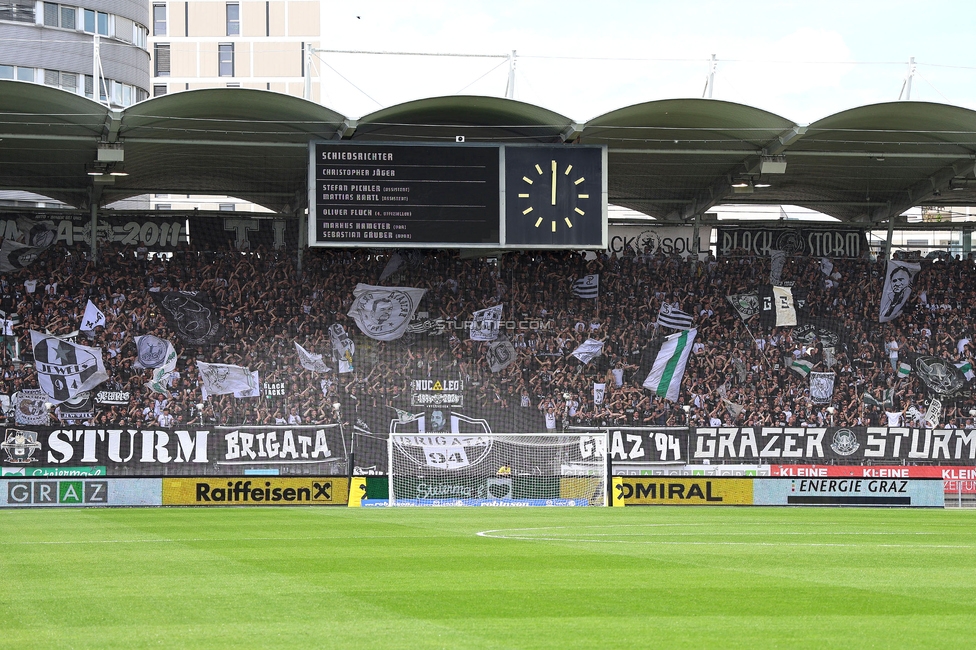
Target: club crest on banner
844, 442
150, 351
20, 446
940, 376
383, 313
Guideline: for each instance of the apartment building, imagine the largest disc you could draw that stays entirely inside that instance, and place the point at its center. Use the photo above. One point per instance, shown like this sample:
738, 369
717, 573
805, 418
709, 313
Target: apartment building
247, 44
62, 45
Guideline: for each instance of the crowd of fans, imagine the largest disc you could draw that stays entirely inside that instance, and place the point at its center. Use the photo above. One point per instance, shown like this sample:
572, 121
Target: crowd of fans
738, 374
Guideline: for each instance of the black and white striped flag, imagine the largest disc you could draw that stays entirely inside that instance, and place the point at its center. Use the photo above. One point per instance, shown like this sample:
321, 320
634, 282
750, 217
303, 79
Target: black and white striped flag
671, 316
588, 286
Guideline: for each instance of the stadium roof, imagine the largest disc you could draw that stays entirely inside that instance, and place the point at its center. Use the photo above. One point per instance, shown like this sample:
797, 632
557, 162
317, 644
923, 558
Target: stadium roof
669, 159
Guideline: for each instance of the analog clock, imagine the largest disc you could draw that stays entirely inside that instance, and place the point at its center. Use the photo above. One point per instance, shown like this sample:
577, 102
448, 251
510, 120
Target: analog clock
554, 196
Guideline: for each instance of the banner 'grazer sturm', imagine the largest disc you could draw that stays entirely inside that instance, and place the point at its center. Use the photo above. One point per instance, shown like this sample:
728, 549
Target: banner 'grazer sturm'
816, 242
852, 445
191, 315
218, 451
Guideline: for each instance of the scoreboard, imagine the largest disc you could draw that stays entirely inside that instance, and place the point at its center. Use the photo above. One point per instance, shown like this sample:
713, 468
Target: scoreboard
393, 195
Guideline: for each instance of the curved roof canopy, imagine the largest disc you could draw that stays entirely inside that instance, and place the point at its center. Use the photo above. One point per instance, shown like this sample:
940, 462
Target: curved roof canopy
670, 159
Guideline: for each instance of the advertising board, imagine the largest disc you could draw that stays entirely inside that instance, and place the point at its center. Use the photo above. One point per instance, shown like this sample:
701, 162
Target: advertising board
79, 492
886, 492
684, 491
955, 479
317, 490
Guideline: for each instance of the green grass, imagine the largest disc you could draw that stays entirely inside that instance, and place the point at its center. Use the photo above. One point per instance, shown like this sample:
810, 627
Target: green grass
673, 577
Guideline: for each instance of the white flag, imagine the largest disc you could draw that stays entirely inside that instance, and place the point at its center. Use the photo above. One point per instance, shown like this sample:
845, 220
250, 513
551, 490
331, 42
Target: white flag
599, 392
342, 348
484, 326
589, 350
310, 360
153, 352
254, 391
383, 313
93, 318
65, 369
821, 387
222, 378
784, 307
588, 286
669, 367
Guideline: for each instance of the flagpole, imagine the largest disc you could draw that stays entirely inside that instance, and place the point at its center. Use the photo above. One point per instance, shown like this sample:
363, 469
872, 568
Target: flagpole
762, 352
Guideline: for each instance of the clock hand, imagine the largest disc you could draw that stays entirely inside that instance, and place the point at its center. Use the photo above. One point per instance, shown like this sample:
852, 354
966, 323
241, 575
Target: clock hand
554, 182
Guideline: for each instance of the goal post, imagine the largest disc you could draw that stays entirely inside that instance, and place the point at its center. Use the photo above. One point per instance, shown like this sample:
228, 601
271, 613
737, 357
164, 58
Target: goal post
494, 469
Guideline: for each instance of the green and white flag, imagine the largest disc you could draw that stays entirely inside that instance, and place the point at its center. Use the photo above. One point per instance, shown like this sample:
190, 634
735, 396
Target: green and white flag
802, 367
669, 367
904, 369
967, 370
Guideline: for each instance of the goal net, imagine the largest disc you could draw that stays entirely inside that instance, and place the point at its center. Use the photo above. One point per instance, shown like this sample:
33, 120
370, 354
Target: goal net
527, 469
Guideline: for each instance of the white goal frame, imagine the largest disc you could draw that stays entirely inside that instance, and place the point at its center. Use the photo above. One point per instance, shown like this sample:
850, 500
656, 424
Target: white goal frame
499, 469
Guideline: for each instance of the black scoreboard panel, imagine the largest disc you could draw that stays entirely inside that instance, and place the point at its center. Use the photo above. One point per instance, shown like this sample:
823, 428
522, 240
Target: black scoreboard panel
404, 195
396, 195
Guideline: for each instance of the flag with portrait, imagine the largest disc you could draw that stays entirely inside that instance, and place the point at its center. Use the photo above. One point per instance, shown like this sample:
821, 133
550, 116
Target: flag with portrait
383, 313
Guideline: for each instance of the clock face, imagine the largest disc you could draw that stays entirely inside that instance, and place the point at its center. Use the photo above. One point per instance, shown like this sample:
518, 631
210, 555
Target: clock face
554, 196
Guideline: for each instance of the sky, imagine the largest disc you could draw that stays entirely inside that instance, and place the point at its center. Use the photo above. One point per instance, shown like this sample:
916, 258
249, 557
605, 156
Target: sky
800, 60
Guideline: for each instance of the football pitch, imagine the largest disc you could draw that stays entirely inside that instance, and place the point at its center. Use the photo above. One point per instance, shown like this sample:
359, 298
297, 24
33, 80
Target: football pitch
670, 577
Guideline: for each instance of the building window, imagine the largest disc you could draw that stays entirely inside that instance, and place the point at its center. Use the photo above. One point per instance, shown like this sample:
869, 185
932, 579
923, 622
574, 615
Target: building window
159, 90
19, 12
233, 84
102, 23
225, 59
89, 21
68, 15
161, 57
6, 72
159, 20
25, 74
233, 19
50, 14
164, 206
225, 207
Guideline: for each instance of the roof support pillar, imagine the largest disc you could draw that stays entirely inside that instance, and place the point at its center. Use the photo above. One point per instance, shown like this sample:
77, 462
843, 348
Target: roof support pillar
302, 217
94, 233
